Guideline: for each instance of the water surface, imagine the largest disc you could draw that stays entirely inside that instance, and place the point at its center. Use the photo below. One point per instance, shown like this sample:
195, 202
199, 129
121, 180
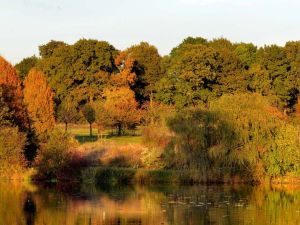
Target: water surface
155, 205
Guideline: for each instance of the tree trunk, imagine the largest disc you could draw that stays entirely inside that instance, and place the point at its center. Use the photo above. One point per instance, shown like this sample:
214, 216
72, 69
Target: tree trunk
66, 127
91, 131
151, 108
119, 129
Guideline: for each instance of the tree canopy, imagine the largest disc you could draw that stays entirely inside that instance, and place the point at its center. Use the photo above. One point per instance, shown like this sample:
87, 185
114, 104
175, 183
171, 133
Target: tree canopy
38, 98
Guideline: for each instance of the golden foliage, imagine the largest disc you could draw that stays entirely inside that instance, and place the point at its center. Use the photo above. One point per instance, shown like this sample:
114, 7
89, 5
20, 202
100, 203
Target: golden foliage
126, 75
121, 107
38, 98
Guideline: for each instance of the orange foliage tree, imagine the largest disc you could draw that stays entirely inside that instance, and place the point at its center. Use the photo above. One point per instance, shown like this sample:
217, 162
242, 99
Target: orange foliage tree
126, 76
38, 98
121, 108
13, 95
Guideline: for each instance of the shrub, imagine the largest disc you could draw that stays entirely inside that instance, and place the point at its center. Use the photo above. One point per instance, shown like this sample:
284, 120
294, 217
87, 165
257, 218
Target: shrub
56, 160
113, 176
241, 134
12, 160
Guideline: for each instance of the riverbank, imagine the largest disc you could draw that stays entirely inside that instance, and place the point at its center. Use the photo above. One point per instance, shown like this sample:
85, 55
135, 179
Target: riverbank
118, 176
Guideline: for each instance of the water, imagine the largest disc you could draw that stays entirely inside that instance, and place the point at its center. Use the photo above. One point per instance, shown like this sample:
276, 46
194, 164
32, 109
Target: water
155, 205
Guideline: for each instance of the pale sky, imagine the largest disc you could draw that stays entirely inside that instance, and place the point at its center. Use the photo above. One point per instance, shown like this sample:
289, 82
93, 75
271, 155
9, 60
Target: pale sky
26, 24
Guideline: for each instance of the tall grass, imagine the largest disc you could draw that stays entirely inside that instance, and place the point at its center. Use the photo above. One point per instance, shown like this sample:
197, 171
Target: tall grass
118, 176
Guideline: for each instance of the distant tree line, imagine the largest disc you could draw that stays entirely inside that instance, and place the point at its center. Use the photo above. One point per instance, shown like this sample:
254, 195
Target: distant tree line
195, 72
92, 81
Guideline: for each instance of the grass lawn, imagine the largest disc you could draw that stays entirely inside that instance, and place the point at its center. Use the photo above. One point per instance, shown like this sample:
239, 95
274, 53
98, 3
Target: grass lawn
82, 134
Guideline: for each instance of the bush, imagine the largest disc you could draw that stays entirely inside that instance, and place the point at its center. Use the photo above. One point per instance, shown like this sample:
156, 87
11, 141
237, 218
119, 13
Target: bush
113, 176
12, 160
56, 160
265, 142
241, 134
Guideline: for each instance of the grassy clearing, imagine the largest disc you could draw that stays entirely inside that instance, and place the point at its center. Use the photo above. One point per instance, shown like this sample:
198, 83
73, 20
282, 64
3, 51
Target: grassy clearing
110, 153
81, 133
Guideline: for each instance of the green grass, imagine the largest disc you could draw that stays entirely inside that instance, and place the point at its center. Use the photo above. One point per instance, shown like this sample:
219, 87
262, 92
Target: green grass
126, 139
118, 140
82, 134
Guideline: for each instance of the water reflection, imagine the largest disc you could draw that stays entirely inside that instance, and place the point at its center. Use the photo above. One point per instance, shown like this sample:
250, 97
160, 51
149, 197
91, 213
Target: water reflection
154, 205
29, 209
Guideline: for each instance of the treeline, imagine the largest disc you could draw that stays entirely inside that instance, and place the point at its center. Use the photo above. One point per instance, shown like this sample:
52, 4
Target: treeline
195, 72
94, 74
210, 105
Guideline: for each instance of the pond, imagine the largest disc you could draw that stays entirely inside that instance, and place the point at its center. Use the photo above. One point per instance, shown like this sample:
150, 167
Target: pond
148, 205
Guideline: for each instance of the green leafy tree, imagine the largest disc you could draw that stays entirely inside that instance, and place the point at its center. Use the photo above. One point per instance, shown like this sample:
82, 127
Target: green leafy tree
80, 71
192, 75
48, 49
246, 54
90, 116
25, 65
274, 60
147, 67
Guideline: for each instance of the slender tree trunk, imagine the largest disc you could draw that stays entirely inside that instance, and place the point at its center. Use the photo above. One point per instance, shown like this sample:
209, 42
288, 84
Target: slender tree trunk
91, 131
66, 127
119, 129
151, 107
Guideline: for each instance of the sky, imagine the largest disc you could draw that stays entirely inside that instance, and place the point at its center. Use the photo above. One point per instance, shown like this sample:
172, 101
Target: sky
26, 24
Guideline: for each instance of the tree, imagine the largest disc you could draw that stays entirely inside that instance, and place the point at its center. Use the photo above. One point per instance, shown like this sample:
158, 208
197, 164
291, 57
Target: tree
25, 66
189, 40
38, 98
80, 70
125, 76
246, 54
90, 116
6, 115
147, 67
283, 87
12, 93
122, 108
48, 49
102, 118
67, 112
192, 76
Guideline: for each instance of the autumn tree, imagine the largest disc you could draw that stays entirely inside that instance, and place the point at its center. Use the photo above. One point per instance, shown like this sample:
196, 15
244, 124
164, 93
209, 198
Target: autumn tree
89, 114
122, 108
103, 119
38, 98
147, 67
297, 112
6, 115
67, 112
125, 76
12, 93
